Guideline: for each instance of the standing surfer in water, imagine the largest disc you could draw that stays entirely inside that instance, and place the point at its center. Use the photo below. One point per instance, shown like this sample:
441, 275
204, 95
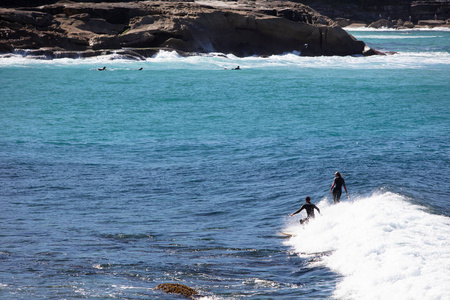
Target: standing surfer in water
336, 187
309, 207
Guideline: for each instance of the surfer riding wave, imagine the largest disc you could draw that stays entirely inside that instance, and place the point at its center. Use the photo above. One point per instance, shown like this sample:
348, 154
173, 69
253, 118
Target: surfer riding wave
336, 187
309, 207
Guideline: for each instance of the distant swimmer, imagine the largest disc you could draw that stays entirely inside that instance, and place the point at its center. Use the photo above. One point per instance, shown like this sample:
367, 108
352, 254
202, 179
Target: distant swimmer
140, 69
309, 207
336, 187
237, 68
102, 69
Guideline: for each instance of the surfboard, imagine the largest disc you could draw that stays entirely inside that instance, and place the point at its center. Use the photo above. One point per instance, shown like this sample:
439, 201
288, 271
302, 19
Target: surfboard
288, 234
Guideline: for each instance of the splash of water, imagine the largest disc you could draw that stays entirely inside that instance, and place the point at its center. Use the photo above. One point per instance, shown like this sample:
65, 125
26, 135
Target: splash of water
385, 248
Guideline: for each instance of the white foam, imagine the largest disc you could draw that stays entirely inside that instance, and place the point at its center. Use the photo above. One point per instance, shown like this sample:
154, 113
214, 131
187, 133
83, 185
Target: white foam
408, 60
385, 248
434, 29
397, 37
216, 61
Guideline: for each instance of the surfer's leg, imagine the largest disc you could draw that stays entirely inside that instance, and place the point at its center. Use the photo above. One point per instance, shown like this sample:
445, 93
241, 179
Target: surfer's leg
336, 196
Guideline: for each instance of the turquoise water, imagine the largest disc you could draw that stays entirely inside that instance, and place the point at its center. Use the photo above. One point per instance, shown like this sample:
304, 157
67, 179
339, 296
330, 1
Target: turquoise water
114, 182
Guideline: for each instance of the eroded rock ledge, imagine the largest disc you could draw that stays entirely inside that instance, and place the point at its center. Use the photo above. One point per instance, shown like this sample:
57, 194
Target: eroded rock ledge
140, 29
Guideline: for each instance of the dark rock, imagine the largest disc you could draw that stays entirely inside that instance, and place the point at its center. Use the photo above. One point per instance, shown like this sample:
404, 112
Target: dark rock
370, 52
371, 11
429, 9
175, 288
5, 47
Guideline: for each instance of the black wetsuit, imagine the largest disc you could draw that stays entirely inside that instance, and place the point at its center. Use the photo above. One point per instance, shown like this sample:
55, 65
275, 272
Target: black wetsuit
309, 211
337, 190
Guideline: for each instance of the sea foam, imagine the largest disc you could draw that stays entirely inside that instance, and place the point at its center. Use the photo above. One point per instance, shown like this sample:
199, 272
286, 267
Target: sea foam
383, 246
166, 60
434, 29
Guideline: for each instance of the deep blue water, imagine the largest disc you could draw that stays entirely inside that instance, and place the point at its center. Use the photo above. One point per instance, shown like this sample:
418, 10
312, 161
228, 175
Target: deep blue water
114, 182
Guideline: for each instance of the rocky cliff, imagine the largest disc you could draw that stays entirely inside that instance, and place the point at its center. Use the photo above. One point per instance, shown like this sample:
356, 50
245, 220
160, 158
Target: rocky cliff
140, 29
396, 12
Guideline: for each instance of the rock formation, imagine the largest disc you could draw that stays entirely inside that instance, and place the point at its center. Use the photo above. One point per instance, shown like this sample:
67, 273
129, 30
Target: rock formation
140, 29
398, 14
430, 9
176, 288
363, 11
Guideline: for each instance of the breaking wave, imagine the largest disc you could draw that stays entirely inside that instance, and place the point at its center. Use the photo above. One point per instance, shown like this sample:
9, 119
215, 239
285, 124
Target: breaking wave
383, 246
217, 61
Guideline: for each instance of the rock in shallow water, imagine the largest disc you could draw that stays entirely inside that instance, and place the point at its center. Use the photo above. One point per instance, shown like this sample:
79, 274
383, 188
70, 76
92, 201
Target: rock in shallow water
176, 288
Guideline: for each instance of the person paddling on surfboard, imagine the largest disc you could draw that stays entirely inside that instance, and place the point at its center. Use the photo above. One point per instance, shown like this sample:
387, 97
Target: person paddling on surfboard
309, 207
337, 185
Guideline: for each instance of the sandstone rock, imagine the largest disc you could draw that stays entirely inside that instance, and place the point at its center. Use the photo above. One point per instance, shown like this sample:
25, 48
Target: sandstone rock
136, 39
104, 42
83, 17
431, 23
343, 22
381, 24
357, 24
179, 44
97, 26
408, 24
255, 28
26, 17
114, 13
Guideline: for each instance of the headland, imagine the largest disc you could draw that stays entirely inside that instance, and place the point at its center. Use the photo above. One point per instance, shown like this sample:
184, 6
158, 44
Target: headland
140, 29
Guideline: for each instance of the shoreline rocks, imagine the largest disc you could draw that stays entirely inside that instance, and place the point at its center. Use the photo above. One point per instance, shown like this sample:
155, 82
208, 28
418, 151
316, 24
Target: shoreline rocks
137, 30
404, 14
141, 29
396, 24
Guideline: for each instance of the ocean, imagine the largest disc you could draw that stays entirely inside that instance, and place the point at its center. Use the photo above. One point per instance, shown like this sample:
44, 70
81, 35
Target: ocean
187, 172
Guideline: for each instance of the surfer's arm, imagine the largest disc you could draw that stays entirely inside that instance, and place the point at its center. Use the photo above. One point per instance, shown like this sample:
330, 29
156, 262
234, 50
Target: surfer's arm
332, 186
317, 209
297, 211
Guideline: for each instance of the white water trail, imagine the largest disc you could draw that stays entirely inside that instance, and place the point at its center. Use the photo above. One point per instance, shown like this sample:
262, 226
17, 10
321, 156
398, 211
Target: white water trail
383, 246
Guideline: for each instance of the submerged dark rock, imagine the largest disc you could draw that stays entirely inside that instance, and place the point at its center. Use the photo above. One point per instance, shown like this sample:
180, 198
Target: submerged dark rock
176, 288
262, 28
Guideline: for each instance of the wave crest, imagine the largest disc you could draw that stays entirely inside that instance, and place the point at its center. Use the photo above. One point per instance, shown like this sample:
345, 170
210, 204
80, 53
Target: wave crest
385, 248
